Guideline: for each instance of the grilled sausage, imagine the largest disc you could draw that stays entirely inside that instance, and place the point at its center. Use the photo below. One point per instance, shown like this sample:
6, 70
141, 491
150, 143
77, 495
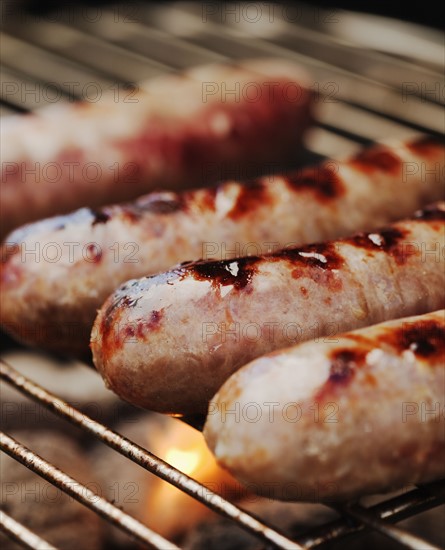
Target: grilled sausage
51, 289
175, 131
169, 341
362, 412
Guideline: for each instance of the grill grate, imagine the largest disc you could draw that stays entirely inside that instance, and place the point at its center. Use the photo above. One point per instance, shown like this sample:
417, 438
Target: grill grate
395, 509
364, 96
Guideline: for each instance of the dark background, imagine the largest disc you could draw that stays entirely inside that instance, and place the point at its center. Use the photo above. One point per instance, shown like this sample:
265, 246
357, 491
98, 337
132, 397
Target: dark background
426, 12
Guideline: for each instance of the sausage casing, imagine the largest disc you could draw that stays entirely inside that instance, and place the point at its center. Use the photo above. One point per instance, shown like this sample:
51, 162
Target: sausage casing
169, 341
362, 412
175, 131
58, 272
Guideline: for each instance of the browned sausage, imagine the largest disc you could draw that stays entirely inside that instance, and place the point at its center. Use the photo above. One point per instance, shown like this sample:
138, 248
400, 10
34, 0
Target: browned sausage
169, 341
361, 412
176, 131
58, 272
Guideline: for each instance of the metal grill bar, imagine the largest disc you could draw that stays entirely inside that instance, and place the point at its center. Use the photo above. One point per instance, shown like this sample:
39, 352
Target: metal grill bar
316, 44
353, 85
28, 60
108, 57
333, 124
288, 42
392, 510
369, 107
22, 534
315, 37
145, 459
367, 518
82, 494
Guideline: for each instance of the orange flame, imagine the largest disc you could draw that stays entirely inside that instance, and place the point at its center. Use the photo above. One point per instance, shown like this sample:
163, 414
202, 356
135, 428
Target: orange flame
169, 511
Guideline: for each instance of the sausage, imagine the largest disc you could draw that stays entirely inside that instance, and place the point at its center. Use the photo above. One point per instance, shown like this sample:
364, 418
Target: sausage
173, 132
68, 265
168, 342
362, 412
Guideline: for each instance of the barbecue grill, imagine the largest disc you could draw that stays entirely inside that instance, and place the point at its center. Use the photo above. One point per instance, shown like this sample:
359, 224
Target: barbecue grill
364, 94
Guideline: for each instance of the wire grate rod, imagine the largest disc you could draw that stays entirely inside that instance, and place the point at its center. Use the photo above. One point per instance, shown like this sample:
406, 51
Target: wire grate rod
144, 458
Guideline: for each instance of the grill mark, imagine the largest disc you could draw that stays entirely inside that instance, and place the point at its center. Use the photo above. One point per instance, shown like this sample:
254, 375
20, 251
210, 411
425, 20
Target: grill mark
344, 363
139, 329
237, 272
382, 159
391, 240
320, 262
385, 239
99, 216
321, 255
122, 302
252, 194
323, 180
113, 334
434, 212
425, 145
426, 339
155, 319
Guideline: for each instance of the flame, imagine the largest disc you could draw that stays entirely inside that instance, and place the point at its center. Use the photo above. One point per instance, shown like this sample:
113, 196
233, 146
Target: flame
186, 461
169, 511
